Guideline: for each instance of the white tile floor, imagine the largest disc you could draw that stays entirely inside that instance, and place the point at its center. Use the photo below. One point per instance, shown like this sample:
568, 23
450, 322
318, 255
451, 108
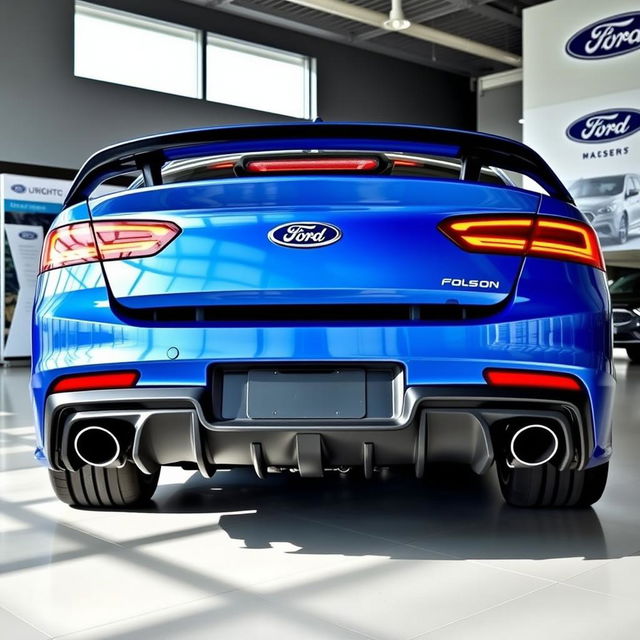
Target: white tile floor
236, 557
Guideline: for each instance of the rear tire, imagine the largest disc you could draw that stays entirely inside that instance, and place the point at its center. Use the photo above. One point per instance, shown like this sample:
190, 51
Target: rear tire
634, 353
545, 486
104, 488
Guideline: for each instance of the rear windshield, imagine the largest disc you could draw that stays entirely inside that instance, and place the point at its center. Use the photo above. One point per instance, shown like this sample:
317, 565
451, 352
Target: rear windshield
218, 167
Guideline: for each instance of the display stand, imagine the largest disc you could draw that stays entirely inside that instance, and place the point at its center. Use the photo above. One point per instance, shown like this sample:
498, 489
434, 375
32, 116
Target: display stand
28, 206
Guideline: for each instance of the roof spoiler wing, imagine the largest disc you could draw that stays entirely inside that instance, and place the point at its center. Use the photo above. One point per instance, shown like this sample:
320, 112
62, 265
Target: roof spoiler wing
475, 150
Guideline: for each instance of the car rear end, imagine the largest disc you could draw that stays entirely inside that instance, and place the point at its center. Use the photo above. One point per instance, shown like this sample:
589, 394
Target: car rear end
322, 297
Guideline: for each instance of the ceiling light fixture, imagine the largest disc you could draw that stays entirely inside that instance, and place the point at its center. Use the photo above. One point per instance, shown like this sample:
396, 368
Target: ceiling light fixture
396, 21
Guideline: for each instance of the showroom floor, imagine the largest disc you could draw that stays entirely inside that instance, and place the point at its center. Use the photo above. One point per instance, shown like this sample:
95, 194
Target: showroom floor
236, 557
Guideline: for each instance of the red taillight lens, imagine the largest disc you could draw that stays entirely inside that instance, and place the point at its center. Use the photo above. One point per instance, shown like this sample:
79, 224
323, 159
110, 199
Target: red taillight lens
407, 163
216, 166
526, 235
286, 165
489, 235
76, 243
87, 382
570, 240
511, 378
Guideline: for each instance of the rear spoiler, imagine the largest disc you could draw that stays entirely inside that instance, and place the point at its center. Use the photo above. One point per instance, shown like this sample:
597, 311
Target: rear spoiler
475, 150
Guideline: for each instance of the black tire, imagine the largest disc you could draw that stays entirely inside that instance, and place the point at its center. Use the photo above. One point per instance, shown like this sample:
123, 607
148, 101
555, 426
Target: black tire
623, 229
634, 353
100, 488
545, 486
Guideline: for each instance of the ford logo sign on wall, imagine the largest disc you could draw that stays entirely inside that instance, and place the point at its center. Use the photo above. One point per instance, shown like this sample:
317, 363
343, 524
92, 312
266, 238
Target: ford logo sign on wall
18, 188
605, 126
606, 38
28, 235
304, 235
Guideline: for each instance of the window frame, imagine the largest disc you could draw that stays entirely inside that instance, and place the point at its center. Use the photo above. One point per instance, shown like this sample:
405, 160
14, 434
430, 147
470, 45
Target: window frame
202, 39
117, 16
272, 53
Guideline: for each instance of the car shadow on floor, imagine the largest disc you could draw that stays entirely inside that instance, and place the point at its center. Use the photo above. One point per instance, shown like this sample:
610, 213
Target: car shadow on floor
452, 512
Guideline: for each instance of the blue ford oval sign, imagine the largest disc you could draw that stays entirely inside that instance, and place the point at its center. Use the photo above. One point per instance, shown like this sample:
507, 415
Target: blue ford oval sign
28, 235
607, 38
605, 126
305, 235
18, 188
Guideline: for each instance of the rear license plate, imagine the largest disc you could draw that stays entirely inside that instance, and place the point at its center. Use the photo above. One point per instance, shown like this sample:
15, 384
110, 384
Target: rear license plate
337, 394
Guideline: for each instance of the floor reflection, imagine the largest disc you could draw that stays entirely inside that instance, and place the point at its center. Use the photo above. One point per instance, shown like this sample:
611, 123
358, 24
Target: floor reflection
395, 507
339, 557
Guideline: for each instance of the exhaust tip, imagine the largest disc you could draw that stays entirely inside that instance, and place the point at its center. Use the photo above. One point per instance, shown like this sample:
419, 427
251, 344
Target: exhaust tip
534, 445
97, 446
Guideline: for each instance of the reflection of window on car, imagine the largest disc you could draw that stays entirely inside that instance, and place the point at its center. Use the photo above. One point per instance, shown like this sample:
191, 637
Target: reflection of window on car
593, 187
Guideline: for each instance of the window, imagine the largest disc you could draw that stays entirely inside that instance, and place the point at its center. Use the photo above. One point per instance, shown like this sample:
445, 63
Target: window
256, 77
137, 51
123, 48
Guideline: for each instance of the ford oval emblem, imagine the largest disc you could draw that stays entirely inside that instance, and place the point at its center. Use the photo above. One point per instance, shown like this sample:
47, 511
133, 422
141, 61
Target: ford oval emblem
305, 235
606, 38
28, 235
605, 126
18, 188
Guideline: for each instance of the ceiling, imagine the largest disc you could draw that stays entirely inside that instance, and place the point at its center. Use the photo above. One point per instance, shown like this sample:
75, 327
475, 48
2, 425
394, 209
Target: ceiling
496, 23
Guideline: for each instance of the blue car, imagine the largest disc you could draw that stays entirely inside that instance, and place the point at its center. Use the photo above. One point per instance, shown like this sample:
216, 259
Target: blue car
319, 298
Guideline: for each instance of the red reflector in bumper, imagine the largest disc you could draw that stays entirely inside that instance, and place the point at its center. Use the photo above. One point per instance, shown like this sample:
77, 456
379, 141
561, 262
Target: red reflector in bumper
114, 380
509, 378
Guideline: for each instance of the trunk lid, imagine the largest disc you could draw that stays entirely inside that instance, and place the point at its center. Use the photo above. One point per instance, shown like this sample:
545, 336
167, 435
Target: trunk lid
389, 250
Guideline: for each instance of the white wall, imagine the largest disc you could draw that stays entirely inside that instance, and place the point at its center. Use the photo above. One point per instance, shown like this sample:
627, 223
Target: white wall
500, 110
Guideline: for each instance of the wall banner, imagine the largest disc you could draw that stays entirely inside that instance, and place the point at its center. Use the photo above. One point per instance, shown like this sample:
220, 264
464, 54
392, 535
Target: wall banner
582, 108
28, 206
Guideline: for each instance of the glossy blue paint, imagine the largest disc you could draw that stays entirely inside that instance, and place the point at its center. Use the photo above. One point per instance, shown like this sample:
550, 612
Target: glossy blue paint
555, 315
390, 250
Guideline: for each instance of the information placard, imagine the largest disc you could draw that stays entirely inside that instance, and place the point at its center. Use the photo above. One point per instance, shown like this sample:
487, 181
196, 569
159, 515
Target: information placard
582, 108
28, 206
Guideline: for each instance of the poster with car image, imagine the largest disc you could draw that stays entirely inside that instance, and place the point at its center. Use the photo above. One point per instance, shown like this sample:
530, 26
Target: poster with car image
28, 206
582, 108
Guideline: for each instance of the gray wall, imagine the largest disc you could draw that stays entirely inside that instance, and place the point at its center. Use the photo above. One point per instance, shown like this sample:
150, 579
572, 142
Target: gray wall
499, 111
49, 117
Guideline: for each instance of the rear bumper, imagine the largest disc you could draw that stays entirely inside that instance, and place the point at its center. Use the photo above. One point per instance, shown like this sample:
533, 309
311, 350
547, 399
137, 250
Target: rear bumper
564, 329
457, 424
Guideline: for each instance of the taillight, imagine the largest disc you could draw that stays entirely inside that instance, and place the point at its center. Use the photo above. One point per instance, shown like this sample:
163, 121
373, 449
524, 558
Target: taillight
407, 163
526, 235
89, 381
216, 166
76, 243
294, 165
538, 379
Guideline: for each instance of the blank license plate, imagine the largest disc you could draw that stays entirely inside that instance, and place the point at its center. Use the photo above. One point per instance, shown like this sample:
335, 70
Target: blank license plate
306, 394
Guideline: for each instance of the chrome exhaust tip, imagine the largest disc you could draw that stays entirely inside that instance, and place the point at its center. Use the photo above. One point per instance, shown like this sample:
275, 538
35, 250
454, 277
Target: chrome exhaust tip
534, 445
97, 446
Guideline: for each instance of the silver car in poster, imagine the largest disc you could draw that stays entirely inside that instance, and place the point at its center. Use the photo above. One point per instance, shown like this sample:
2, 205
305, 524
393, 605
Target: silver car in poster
610, 203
